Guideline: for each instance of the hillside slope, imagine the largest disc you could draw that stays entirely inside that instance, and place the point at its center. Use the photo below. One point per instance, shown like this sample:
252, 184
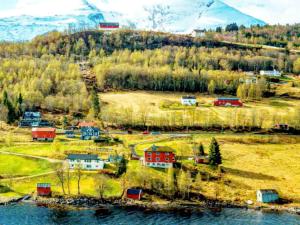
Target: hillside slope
176, 16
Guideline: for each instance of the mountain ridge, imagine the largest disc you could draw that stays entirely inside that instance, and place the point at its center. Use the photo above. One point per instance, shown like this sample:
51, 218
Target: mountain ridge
175, 16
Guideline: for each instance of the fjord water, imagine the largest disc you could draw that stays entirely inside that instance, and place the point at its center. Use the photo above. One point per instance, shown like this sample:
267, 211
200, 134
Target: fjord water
30, 214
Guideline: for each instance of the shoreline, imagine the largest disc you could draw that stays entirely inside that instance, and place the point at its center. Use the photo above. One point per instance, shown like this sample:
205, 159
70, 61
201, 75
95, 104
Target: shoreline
178, 206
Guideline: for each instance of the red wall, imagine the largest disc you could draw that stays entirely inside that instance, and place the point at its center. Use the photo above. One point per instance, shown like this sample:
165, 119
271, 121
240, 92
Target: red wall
224, 102
43, 134
43, 191
161, 155
137, 197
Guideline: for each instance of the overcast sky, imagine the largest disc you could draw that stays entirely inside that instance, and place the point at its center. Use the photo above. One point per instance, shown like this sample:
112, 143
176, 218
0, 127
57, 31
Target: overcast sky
271, 11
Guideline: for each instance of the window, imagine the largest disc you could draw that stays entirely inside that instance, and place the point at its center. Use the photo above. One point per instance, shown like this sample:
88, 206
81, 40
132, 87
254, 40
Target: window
149, 153
88, 166
163, 164
148, 164
87, 161
167, 159
149, 159
157, 159
157, 153
167, 153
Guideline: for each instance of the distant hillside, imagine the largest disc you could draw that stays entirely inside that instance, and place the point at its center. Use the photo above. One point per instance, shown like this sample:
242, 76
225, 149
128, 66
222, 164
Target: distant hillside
175, 16
287, 36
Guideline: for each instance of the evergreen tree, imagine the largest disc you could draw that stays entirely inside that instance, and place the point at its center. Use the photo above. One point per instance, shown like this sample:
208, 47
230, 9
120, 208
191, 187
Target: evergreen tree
95, 103
122, 166
215, 157
11, 117
201, 150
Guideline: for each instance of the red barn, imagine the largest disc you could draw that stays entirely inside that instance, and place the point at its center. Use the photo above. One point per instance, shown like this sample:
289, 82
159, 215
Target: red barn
228, 102
109, 26
159, 156
44, 189
43, 134
135, 194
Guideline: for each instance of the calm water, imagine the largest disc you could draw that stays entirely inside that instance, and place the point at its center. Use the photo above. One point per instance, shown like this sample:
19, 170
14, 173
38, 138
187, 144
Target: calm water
24, 214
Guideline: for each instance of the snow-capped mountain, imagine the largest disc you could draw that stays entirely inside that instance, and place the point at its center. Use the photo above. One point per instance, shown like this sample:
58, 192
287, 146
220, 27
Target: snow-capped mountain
34, 17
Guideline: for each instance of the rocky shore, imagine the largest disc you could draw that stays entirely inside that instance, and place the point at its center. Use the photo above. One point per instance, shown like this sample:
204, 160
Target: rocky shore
181, 207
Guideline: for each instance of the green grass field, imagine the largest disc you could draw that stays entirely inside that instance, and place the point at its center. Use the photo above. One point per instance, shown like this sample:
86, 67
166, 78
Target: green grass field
135, 107
250, 162
15, 166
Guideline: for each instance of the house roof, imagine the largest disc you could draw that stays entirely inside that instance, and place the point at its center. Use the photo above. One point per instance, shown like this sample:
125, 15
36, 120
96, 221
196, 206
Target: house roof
31, 115
189, 97
229, 99
131, 191
268, 191
155, 148
83, 156
87, 124
45, 129
43, 185
83, 129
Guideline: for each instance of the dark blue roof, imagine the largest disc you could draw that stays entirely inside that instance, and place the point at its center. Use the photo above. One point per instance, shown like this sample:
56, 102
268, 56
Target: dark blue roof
83, 157
134, 191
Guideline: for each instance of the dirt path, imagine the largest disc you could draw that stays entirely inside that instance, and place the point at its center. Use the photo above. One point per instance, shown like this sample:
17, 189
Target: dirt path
28, 177
31, 156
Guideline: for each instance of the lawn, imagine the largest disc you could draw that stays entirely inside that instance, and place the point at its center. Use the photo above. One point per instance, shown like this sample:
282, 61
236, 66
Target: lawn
15, 166
135, 107
250, 162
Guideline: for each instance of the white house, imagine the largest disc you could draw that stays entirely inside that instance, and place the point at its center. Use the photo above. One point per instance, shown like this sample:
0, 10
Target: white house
86, 161
198, 33
267, 195
271, 73
188, 100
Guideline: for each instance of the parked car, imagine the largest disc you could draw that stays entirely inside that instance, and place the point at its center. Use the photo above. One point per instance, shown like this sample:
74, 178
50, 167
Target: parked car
146, 132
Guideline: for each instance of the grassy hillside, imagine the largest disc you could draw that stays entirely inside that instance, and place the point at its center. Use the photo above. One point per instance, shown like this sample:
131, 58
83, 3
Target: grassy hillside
250, 162
165, 109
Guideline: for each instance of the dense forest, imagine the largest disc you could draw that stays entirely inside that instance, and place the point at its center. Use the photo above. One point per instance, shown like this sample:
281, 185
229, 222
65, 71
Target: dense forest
45, 72
283, 36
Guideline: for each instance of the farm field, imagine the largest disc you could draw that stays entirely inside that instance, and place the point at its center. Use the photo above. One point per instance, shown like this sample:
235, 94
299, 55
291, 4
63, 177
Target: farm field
250, 162
164, 108
15, 166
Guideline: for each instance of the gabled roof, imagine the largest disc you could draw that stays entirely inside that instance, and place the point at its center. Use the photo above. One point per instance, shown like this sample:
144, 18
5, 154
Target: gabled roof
268, 191
132, 191
87, 124
228, 99
83, 157
155, 148
189, 97
45, 129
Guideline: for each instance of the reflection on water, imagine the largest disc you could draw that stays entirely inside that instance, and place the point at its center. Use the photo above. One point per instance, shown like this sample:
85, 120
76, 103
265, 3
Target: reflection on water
26, 214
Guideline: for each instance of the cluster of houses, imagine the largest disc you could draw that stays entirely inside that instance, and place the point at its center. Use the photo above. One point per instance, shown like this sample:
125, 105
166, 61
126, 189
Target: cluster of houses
33, 119
222, 101
155, 157
45, 131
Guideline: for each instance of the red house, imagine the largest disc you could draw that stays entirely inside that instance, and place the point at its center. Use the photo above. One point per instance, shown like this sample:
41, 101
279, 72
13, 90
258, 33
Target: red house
159, 156
109, 26
43, 134
135, 194
44, 189
228, 102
